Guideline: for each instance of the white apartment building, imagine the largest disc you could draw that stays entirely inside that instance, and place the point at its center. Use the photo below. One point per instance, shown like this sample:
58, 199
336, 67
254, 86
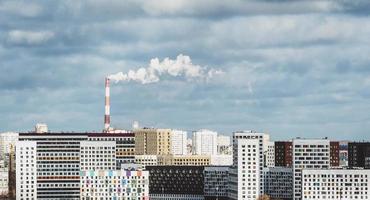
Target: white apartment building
224, 145
335, 184
308, 154
114, 184
26, 173
178, 142
204, 142
98, 155
269, 155
4, 179
246, 173
278, 182
225, 160
7, 144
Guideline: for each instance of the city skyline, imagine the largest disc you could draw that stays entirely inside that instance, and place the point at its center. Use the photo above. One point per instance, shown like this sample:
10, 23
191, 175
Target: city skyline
290, 68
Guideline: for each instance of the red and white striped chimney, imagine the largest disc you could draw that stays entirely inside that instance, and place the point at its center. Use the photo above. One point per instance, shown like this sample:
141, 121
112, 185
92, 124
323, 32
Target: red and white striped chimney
107, 105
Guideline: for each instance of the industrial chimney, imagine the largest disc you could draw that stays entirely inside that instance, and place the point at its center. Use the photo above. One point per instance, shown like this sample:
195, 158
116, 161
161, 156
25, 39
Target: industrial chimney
107, 105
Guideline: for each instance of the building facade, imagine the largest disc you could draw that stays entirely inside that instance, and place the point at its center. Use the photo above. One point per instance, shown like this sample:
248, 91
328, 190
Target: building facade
176, 182
308, 154
149, 141
216, 182
204, 142
54, 161
283, 154
246, 173
358, 153
224, 146
189, 160
334, 154
335, 184
114, 184
269, 155
178, 142
278, 182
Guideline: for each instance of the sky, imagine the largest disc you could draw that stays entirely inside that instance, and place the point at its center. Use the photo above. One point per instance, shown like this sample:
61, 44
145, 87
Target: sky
291, 68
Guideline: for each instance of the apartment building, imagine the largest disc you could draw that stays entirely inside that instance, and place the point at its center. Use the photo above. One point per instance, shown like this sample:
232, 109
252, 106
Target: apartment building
335, 184
269, 155
246, 173
124, 145
178, 142
53, 161
308, 154
359, 154
283, 154
334, 154
150, 141
204, 142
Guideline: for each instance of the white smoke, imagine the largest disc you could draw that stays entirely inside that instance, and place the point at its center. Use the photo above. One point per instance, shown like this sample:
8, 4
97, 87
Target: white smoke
181, 67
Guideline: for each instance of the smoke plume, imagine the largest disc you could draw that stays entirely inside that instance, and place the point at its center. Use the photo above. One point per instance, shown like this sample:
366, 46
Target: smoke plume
181, 67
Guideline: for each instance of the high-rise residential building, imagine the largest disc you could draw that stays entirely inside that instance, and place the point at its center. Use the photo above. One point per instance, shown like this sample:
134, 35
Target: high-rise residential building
359, 154
204, 142
48, 164
308, 154
334, 154
216, 182
150, 141
224, 145
335, 184
278, 182
176, 182
178, 142
246, 173
27, 173
269, 155
4, 179
7, 155
343, 153
283, 154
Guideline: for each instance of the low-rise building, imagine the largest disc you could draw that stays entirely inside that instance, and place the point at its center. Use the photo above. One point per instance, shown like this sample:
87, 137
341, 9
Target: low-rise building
176, 182
146, 160
188, 160
114, 184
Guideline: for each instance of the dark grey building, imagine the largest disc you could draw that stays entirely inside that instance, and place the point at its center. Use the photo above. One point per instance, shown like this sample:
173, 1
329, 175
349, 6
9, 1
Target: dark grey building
176, 182
359, 154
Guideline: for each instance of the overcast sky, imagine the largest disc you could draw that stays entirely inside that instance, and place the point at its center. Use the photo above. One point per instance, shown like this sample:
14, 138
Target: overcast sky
291, 68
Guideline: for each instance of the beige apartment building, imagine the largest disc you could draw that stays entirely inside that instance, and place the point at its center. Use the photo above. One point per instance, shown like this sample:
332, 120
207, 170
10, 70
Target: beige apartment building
150, 141
183, 160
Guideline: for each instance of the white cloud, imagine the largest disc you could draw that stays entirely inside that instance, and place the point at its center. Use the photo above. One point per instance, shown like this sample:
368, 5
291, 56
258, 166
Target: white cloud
25, 9
29, 37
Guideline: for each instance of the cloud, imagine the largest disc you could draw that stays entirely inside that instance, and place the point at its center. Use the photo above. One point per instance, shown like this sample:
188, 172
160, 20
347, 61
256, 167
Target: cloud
290, 67
20, 37
21, 8
181, 67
